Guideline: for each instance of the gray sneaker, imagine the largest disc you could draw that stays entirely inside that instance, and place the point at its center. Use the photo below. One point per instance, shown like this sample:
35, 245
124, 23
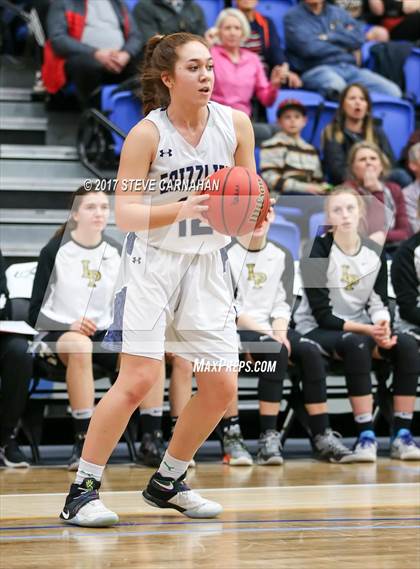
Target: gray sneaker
235, 452
269, 449
329, 447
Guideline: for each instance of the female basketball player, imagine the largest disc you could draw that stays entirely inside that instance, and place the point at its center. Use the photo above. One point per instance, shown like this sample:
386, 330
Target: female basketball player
80, 264
174, 283
344, 309
263, 273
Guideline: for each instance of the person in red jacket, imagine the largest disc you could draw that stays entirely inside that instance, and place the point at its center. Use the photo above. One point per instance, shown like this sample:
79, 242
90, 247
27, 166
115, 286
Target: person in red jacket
89, 43
367, 168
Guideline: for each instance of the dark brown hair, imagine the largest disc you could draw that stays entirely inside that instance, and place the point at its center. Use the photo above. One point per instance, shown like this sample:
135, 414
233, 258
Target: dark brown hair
334, 131
75, 202
160, 56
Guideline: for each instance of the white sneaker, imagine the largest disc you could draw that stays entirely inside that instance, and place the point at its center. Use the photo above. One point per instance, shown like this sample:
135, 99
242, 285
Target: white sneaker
164, 492
365, 449
84, 508
404, 447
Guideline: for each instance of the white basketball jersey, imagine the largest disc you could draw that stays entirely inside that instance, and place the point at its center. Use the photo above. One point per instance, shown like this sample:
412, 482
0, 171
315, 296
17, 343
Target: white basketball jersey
180, 168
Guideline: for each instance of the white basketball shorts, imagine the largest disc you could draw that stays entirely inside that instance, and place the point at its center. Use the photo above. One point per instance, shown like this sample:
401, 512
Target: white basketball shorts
171, 302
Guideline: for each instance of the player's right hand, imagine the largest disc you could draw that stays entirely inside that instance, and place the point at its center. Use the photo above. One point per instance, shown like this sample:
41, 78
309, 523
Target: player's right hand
84, 326
194, 207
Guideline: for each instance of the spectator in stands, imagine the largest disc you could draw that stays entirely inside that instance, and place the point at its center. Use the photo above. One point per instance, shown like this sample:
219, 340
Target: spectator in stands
412, 192
353, 123
90, 43
359, 10
239, 73
288, 164
265, 42
344, 309
72, 301
405, 275
168, 17
400, 17
321, 40
368, 167
263, 273
15, 373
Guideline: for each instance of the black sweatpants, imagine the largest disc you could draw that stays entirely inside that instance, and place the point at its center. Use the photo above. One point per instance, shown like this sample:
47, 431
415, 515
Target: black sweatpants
304, 354
15, 373
356, 352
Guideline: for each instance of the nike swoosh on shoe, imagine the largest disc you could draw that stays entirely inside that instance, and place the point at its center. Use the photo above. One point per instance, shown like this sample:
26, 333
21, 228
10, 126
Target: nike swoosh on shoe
168, 486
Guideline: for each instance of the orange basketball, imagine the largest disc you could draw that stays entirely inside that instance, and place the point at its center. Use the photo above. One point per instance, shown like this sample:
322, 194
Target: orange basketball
239, 200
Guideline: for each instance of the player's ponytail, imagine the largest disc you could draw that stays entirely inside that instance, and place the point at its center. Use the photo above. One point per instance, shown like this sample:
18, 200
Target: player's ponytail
160, 56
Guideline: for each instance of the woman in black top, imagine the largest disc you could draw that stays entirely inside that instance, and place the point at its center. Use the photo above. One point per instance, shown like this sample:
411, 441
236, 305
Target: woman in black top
353, 123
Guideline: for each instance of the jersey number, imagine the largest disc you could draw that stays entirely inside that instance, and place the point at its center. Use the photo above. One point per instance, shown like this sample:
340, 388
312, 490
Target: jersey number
195, 229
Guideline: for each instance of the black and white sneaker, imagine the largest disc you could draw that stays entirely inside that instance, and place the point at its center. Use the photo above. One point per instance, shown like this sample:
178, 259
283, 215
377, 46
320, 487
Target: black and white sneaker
152, 449
76, 454
11, 455
327, 446
164, 492
84, 508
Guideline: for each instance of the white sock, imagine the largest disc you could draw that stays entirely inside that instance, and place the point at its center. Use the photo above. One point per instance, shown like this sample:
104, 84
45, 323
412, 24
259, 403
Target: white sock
88, 470
172, 467
153, 411
82, 413
363, 418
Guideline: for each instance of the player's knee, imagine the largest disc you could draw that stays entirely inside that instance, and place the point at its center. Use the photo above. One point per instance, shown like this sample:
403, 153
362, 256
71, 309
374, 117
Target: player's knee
227, 390
270, 388
355, 342
76, 347
134, 391
182, 366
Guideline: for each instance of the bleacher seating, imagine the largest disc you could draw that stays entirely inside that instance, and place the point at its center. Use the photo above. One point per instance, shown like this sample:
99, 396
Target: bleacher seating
316, 224
131, 4
285, 233
311, 100
123, 109
276, 9
329, 108
397, 117
211, 9
412, 75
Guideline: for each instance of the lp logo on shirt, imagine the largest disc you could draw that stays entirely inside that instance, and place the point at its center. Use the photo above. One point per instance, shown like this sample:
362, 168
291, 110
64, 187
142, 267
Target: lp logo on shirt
90, 274
346, 277
257, 278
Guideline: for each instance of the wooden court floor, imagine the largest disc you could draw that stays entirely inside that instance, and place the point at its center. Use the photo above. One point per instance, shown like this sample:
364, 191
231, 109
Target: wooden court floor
304, 514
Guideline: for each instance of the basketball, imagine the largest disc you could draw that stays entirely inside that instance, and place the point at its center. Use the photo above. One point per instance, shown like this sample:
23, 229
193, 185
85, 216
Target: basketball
239, 200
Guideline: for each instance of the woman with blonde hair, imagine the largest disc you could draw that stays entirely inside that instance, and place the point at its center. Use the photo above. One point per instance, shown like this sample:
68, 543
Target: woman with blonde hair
239, 73
387, 221
344, 309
